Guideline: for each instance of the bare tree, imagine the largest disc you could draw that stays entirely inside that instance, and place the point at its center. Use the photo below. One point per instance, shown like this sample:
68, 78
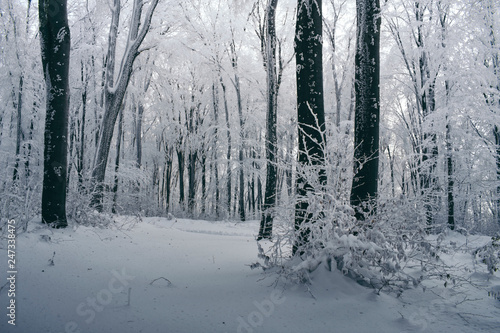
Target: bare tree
114, 92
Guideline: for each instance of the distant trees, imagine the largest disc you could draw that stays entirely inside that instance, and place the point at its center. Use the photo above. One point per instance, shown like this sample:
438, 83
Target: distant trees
192, 133
55, 50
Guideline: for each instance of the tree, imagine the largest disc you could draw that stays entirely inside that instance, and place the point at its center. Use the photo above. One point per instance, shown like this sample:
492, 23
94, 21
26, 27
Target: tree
492, 97
367, 112
311, 174
266, 222
114, 92
55, 50
443, 11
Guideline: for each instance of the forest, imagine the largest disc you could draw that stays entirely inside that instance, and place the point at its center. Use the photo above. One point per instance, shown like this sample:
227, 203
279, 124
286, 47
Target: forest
352, 134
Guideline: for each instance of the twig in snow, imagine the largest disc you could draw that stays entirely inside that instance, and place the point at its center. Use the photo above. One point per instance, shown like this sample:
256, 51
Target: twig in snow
310, 292
51, 260
467, 300
474, 315
463, 318
161, 278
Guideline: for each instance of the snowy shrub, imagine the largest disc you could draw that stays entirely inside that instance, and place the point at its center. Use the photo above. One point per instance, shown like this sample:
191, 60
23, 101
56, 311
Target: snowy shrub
78, 211
490, 254
21, 203
389, 251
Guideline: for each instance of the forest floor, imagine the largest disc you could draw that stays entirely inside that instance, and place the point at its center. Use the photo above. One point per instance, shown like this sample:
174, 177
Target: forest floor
160, 275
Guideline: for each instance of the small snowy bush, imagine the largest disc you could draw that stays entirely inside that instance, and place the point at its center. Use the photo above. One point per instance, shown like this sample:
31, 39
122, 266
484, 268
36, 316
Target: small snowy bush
490, 254
78, 210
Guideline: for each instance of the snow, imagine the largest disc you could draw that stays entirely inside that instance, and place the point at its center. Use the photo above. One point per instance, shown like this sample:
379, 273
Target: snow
178, 275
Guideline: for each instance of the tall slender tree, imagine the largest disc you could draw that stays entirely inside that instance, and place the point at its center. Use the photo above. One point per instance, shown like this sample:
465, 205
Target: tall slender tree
492, 97
367, 111
311, 172
266, 222
55, 51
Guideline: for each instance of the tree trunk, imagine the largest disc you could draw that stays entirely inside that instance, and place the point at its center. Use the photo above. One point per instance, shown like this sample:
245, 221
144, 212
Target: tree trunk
367, 109
19, 130
138, 133
192, 157
391, 166
266, 221
203, 183
496, 134
81, 151
114, 93
492, 100
215, 97
426, 99
180, 161
311, 174
117, 160
450, 183
55, 51
168, 176
228, 155
237, 87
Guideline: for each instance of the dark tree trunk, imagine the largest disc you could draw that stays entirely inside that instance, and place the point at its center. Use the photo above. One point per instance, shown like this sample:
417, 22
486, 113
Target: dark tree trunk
266, 221
215, 97
241, 196
117, 160
73, 119
192, 126
311, 174
367, 109
168, 176
28, 152
192, 157
55, 50
19, 130
138, 133
203, 183
391, 166
450, 184
81, 151
443, 16
426, 99
496, 134
228, 156
180, 160
252, 184
237, 87
492, 99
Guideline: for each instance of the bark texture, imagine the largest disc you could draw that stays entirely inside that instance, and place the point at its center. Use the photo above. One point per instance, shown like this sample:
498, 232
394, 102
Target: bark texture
55, 50
367, 110
311, 174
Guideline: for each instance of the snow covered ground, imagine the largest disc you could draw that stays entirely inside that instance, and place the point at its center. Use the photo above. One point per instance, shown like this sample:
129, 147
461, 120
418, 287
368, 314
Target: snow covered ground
159, 275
